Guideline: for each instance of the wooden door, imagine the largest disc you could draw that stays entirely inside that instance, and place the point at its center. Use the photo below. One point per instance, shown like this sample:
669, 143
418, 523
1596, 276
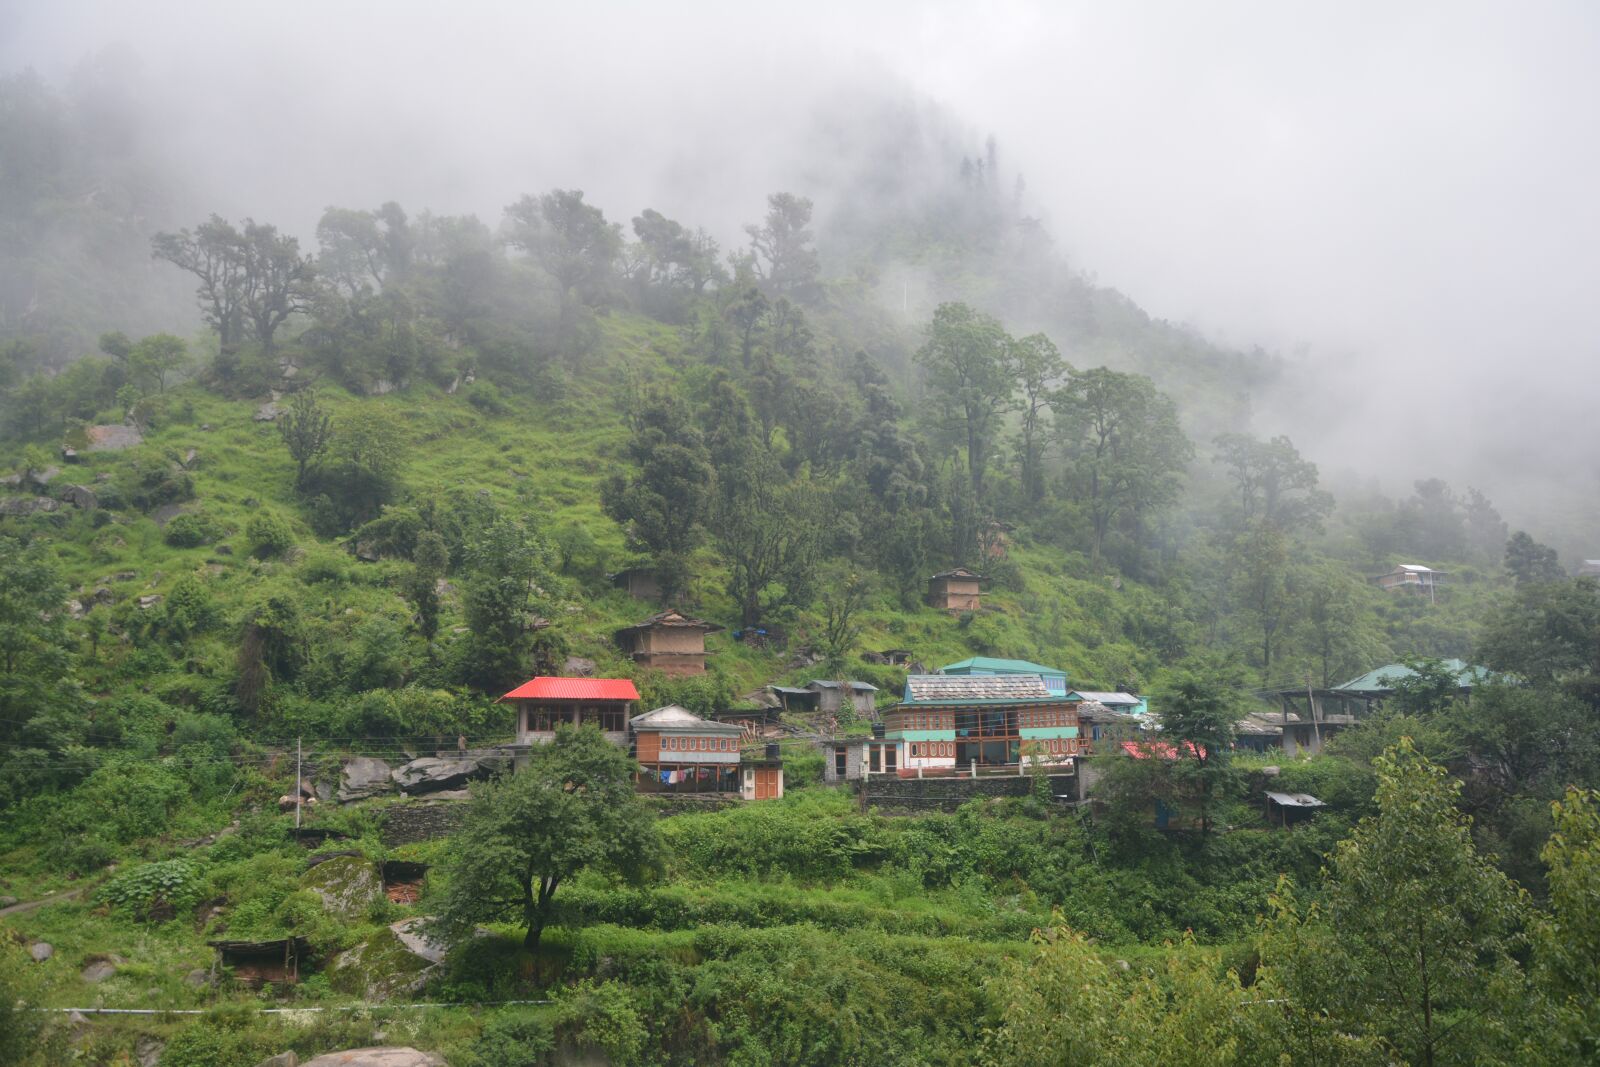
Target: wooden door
766, 783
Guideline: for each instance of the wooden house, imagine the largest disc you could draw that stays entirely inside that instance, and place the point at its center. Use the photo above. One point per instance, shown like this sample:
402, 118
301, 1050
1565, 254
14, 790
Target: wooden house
1411, 577
831, 695
641, 583
1589, 568
946, 721
989, 666
1102, 727
957, 590
892, 657
679, 752
669, 642
256, 963
545, 703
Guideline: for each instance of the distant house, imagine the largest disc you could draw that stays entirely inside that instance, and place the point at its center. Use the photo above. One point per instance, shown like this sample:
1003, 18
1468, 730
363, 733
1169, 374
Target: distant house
668, 641
957, 590
1589, 568
679, 752
762, 777
893, 657
1286, 809
1256, 733
851, 758
1126, 703
988, 667
1100, 726
831, 695
641, 583
545, 703
1411, 577
1378, 684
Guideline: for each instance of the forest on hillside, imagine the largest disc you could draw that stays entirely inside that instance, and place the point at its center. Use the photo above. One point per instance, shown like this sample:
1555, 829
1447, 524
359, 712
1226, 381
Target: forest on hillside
336, 492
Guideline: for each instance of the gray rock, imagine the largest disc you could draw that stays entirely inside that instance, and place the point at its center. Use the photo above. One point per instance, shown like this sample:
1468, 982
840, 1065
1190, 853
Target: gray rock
45, 477
223, 550
282, 1059
430, 774
147, 1050
41, 951
122, 576
267, 412
197, 978
381, 387
166, 513
378, 1056
101, 595
348, 886
101, 969
364, 777
191, 459
148, 602
379, 968
80, 496
76, 609
583, 668
12, 481
415, 939
28, 505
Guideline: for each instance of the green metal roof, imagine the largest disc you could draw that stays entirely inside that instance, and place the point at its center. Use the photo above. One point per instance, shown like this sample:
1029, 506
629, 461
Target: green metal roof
1002, 666
1382, 679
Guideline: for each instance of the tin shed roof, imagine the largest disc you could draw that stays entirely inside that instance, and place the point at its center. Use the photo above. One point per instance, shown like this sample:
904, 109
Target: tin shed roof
550, 688
1001, 666
1382, 679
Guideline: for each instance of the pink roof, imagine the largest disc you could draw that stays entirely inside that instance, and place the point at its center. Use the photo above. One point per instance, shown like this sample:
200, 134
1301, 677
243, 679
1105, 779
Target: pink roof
1145, 749
548, 688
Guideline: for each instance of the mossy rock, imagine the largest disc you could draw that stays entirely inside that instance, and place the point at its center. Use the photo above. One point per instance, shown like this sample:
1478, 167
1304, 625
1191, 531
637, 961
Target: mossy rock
378, 968
348, 886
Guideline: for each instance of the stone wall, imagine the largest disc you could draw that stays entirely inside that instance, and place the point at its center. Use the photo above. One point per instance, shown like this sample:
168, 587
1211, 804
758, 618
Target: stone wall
947, 794
420, 820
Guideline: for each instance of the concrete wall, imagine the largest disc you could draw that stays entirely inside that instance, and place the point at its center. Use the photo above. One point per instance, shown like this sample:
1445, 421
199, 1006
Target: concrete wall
950, 793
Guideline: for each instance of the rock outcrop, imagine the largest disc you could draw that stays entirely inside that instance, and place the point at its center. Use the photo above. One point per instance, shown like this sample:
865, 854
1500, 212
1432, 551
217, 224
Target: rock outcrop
348, 886
379, 968
432, 774
364, 777
28, 505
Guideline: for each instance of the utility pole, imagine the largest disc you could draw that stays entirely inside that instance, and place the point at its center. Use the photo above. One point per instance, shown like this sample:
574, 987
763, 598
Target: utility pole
297, 796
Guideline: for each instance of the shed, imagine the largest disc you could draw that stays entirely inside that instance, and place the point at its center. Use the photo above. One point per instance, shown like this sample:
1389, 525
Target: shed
957, 590
641, 583
831, 695
1290, 808
668, 641
255, 963
794, 698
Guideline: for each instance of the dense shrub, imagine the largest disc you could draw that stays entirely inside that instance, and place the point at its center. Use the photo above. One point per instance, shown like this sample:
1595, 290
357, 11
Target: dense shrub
155, 891
269, 535
190, 530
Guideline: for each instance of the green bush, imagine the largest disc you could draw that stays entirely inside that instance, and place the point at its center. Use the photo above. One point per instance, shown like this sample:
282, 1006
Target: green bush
155, 891
190, 530
269, 535
518, 1038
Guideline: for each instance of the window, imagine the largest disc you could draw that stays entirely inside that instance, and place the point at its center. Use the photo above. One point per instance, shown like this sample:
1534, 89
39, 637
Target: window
611, 720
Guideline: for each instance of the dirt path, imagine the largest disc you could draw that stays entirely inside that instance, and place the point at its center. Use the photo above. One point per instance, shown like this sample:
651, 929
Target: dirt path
29, 905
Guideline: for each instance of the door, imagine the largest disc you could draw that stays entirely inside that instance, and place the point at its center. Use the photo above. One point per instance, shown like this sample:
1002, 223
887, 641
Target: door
839, 756
766, 783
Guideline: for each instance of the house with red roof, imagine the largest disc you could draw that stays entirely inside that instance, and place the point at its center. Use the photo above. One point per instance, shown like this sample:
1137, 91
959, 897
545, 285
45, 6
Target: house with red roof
545, 703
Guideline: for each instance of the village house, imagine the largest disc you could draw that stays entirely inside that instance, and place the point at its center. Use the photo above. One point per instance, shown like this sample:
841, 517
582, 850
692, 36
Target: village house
1287, 809
1100, 726
641, 583
679, 752
831, 696
544, 703
988, 667
851, 758
958, 590
1122, 702
1311, 715
668, 641
796, 698
945, 722
1412, 577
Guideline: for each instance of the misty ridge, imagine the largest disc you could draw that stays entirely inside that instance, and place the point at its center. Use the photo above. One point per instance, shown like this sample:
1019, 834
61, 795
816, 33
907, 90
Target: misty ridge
913, 204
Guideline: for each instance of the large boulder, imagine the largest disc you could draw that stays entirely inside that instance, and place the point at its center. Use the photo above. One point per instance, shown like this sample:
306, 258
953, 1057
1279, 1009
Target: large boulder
348, 886
413, 935
364, 777
111, 438
379, 968
41, 951
80, 496
432, 774
379, 1056
28, 505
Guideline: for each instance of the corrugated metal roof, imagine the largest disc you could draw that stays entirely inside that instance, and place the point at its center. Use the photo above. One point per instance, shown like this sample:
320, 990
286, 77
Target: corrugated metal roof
550, 688
675, 718
1001, 666
792, 690
976, 689
1382, 679
860, 687
1295, 800
1107, 698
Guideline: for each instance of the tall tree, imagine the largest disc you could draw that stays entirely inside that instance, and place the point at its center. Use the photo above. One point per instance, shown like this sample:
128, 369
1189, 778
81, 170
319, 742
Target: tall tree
572, 809
570, 239
1039, 369
781, 251
1568, 941
509, 575
1125, 450
155, 357
1274, 483
1199, 720
767, 528
215, 254
972, 378
664, 505
1415, 937
429, 561
1531, 563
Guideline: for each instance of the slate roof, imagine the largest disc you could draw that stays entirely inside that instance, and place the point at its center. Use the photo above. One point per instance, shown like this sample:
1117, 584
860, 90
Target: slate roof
675, 619
960, 572
1380, 680
675, 719
977, 689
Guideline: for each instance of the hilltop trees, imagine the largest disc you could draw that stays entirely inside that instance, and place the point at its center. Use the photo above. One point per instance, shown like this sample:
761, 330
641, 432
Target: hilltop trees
780, 248
251, 280
971, 373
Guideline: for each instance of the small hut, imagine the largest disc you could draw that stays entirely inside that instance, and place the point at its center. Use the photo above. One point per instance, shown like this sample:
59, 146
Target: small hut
255, 963
957, 590
668, 641
831, 695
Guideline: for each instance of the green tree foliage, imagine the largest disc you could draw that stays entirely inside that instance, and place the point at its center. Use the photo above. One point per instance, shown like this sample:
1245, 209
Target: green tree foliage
767, 529
252, 280
430, 560
38, 700
972, 382
1549, 636
508, 576
1125, 450
1199, 720
1414, 939
1039, 368
1274, 484
306, 429
1531, 563
269, 534
665, 505
154, 358
571, 809
780, 248
272, 647
1568, 940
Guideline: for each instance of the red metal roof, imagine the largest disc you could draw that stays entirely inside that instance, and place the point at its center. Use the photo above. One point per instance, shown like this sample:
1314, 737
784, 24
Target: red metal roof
548, 688
1145, 749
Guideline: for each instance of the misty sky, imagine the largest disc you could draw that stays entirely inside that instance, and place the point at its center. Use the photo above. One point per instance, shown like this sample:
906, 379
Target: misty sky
1403, 194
